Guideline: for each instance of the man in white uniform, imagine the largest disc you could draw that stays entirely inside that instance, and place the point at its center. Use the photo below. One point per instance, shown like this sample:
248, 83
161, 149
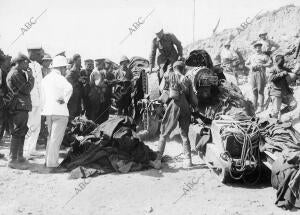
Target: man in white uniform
34, 120
56, 92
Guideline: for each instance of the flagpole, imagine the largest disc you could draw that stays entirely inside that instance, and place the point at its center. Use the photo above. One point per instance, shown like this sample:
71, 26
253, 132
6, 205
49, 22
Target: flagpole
194, 24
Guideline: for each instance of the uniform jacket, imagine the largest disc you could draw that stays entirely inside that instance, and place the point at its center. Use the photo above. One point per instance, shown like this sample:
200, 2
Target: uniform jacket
3, 88
166, 49
228, 55
53, 87
20, 84
257, 60
180, 83
74, 103
85, 80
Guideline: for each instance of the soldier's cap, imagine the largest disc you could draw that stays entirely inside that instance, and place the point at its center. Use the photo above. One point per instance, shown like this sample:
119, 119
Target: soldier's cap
262, 33
20, 57
89, 61
100, 60
257, 43
34, 47
124, 58
47, 57
178, 64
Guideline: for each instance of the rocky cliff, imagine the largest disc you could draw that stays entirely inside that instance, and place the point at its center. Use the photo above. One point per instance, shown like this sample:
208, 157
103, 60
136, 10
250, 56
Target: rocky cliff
282, 25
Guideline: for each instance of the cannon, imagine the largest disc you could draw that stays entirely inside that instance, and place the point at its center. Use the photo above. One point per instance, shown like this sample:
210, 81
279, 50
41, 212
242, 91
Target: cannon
224, 118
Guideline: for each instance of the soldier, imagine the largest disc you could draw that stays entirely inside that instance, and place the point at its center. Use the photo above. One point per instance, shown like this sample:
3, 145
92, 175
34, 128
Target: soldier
20, 82
258, 63
3, 91
108, 68
164, 43
34, 116
85, 81
89, 67
73, 76
178, 94
229, 60
100, 93
280, 90
46, 61
5, 66
268, 46
124, 75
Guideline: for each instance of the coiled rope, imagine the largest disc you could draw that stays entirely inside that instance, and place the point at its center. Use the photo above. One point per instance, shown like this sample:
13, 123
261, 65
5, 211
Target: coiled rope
248, 135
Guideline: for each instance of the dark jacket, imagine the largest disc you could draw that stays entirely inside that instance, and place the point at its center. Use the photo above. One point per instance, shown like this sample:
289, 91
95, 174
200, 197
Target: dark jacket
85, 81
279, 85
74, 104
166, 49
19, 90
3, 88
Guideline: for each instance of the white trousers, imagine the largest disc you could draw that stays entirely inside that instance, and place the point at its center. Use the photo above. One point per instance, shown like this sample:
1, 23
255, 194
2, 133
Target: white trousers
56, 129
34, 127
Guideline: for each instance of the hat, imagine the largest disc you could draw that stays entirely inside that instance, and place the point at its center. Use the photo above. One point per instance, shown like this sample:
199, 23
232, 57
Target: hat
88, 60
99, 60
20, 57
257, 43
106, 60
34, 47
47, 57
178, 63
59, 61
262, 33
123, 58
63, 53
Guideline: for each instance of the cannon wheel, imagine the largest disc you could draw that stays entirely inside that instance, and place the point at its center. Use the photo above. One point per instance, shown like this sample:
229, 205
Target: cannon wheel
214, 163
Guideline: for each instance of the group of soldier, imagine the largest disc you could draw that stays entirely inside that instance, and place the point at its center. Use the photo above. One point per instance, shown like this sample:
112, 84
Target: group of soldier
38, 89
265, 69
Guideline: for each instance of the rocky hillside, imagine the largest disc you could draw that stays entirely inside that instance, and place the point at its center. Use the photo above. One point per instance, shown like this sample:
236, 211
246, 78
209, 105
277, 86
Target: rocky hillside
282, 25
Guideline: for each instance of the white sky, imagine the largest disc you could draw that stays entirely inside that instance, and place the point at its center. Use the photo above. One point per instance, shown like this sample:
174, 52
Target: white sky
95, 28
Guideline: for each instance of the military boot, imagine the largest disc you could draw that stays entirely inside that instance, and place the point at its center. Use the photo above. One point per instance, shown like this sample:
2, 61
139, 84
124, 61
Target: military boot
161, 148
21, 158
186, 146
13, 162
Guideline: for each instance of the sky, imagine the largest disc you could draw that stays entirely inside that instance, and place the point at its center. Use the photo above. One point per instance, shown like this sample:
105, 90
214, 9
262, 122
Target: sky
105, 28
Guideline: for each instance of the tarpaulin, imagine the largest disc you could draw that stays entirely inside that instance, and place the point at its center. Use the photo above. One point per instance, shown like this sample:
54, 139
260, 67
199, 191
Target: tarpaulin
111, 147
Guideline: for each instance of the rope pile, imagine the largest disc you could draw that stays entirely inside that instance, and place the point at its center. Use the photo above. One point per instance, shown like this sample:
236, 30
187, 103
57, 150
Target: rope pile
244, 135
